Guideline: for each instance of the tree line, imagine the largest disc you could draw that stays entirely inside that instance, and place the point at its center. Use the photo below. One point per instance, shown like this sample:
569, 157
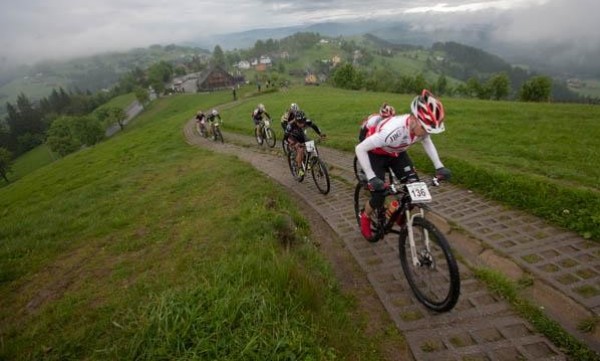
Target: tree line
69, 120
537, 88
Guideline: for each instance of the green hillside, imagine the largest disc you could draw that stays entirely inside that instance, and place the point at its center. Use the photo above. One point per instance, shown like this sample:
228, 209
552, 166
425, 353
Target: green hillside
88, 73
145, 248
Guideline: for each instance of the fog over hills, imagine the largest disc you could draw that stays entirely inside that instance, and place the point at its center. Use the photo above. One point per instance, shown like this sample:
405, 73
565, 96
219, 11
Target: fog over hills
558, 57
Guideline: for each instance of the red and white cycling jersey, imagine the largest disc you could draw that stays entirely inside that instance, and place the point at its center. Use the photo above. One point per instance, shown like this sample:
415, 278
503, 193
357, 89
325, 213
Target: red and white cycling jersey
390, 137
370, 125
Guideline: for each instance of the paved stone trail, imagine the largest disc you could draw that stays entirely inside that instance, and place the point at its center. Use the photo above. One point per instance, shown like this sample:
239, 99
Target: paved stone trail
482, 326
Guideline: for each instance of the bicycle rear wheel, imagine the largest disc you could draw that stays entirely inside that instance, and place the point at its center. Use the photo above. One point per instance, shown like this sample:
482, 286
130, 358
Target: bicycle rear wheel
435, 281
320, 175
270, 137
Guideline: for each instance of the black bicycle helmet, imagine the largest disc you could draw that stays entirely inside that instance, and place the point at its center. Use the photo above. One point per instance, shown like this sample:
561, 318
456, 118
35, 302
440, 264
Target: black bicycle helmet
300, 116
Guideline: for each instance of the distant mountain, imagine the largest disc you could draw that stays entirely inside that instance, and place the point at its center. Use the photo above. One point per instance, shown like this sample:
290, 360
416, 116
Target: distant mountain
559, 59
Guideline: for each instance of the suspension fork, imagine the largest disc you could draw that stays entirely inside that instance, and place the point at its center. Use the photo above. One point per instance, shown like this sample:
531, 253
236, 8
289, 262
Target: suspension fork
411, 239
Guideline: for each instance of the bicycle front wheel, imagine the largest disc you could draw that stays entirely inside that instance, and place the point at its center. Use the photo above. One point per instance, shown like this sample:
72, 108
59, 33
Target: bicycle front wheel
219, 135
320, 175
270, 137
434, 280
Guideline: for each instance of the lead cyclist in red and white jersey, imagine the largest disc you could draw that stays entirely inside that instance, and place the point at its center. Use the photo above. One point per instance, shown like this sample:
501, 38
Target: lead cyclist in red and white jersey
386, 145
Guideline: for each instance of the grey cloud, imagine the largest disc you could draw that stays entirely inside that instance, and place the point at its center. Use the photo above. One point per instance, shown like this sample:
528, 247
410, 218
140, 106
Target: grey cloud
32, 29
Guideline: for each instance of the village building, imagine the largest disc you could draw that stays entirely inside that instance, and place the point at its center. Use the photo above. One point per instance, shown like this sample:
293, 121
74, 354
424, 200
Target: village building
213, 78
243, 64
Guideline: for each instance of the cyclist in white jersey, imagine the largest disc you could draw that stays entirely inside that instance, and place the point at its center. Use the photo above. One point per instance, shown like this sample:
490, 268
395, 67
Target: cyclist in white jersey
386, 147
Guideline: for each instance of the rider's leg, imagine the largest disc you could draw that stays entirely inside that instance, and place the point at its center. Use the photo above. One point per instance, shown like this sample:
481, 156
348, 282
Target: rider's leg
379, 164
257, 130
403, 168
299, 155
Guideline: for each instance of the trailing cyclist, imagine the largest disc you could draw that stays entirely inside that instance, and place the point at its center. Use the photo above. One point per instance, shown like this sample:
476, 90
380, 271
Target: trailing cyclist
289, 115
258, 114
214, 114
386, 144
297, 137
370, 122
201, 122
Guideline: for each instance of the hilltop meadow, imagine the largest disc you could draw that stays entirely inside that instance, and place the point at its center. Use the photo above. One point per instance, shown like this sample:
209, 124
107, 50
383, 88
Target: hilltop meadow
142, 247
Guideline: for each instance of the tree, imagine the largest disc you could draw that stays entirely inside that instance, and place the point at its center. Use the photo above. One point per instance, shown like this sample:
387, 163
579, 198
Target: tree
158, 75
142, 96
536, 89
25, 124
117, 115
499, 86
441, 86
111, 115
347, 77
5, 163
60, 137
68, 133
218, 57
87, 130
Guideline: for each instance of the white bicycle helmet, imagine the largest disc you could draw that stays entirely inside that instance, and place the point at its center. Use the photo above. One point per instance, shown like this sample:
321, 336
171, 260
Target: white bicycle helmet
429, 111
294, 107
215, 112
261, 107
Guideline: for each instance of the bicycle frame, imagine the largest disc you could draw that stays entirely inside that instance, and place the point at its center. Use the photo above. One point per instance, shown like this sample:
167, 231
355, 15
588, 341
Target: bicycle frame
405, 208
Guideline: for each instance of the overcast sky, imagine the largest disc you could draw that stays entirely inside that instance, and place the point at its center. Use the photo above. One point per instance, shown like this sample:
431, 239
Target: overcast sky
31, 30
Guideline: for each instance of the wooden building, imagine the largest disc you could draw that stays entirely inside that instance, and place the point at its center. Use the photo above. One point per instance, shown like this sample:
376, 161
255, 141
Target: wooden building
214, 78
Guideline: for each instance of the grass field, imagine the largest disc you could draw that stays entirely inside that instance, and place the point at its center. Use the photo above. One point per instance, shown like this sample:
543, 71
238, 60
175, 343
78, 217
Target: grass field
145, 248
42, 155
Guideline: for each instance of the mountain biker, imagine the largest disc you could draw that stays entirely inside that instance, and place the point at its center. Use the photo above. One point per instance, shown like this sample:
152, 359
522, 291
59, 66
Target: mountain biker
386, 147
289, 115
297, 137
258, 114
200, 121
214, 114
369, 123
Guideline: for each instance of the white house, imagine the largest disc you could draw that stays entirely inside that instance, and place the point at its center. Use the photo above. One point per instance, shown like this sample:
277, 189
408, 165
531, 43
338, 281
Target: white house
264, 59
243, 64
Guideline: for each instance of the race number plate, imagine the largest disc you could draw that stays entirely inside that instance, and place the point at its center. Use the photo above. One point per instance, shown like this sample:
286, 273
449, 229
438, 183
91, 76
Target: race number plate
419, 193
267, 123
310, 146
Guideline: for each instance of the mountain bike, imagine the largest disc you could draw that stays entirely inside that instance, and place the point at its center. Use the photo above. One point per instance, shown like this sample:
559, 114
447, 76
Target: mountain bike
311, 162
215, 126
425, 255
264, 132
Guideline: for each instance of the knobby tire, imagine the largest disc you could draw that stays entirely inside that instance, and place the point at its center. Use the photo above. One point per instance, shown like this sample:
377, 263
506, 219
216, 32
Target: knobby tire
320, 175
436, 284
270, 137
